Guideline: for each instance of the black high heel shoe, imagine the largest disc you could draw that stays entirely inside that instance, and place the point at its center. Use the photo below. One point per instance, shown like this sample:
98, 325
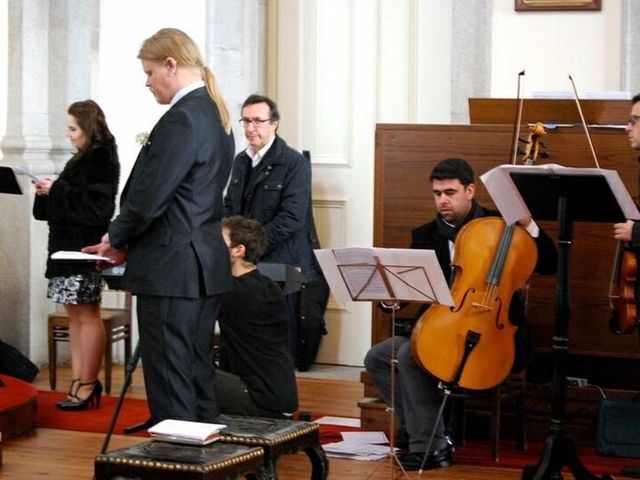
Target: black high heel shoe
72, 392
78, 403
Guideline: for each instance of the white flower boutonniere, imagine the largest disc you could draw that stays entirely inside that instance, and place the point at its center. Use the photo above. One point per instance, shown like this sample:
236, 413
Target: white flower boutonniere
143, 139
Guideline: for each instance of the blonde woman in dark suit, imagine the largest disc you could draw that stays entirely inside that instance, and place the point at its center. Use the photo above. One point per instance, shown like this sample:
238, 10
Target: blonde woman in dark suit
168, 229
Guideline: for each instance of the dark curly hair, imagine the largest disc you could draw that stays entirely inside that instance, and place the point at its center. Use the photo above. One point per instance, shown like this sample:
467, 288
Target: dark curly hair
247, 232
91, 120
453, 168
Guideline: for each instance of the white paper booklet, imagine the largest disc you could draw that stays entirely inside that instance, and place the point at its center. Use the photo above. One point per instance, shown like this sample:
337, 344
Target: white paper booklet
66, 255
26, 171
182, 431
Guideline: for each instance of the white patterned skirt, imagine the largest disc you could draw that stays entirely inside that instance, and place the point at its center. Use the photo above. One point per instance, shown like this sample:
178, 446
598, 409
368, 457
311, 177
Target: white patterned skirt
76, 289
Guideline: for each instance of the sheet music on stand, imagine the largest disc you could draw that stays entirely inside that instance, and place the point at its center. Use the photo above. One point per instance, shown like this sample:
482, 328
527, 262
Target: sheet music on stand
380, 274
512, 195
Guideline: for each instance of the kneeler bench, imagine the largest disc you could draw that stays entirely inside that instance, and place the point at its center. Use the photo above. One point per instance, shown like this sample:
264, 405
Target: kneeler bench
169, 461
277, 437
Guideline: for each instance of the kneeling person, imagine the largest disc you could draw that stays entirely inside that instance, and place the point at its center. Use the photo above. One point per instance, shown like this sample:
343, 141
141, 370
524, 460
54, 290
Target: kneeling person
256, 376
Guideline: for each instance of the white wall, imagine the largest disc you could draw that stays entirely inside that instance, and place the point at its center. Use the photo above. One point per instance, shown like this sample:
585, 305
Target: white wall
3, 67
128, 105
339, 68
550, 46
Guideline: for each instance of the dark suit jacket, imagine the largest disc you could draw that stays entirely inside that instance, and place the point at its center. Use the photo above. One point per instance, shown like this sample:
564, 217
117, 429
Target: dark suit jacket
278, 195
171, 206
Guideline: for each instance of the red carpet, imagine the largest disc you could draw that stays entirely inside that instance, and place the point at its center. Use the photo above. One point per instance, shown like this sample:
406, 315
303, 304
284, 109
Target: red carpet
479, 453
92, 420
474, 453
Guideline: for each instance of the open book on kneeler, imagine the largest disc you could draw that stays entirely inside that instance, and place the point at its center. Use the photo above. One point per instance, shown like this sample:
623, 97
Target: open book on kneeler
182, 431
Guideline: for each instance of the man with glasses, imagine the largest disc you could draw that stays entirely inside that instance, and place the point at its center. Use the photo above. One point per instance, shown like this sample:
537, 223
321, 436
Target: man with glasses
630, 230
271, 183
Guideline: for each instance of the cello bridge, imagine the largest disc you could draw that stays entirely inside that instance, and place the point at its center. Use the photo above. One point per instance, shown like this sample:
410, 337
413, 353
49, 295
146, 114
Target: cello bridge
486, 308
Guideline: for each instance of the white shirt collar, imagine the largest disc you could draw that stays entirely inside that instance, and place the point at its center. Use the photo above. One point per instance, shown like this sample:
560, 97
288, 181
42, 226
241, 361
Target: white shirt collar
184, 90
256, 157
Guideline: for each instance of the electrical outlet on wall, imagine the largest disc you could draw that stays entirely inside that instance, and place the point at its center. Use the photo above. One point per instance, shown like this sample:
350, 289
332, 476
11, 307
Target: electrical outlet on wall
577, 382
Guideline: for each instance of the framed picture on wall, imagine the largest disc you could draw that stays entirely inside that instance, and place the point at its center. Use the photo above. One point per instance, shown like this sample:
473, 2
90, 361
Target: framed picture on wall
549, 5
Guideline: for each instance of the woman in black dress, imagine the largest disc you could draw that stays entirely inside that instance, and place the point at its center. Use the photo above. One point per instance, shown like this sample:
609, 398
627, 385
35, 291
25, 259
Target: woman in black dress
78, 206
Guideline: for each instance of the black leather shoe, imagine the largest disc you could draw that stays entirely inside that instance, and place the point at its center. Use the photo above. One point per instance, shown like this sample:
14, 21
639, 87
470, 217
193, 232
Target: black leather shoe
402, 440
436, 459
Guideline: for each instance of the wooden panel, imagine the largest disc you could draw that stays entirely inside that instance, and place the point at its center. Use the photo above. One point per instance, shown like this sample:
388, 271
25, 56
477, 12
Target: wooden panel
405, 155
503, 111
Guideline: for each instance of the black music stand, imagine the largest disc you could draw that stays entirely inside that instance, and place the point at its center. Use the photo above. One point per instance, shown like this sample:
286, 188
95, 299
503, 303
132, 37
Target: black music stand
286, 275
9, 182
582, 195
387, 276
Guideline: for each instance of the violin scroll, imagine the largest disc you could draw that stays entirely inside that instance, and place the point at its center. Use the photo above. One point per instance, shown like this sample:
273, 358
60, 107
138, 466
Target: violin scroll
534, 147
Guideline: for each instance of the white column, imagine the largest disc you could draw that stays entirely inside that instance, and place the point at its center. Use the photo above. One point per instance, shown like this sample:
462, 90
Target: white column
630, 62
46, 62
236, 51
471, 59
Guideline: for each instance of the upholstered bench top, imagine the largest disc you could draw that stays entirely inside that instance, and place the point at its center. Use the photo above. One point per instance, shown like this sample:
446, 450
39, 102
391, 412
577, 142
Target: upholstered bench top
266, 431
277, 437
159, 460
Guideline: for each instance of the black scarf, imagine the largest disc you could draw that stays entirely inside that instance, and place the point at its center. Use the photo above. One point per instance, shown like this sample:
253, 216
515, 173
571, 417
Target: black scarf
450, 231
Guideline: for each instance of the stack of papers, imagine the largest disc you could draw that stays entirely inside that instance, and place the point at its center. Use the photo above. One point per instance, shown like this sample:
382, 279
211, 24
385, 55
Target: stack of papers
363, 446
182, 431
363, 452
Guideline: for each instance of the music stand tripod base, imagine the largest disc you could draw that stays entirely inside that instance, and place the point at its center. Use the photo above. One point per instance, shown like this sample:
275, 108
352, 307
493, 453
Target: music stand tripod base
391, 409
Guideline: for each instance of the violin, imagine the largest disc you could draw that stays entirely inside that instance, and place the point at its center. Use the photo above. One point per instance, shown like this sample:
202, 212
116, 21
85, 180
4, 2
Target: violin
622, 291
472, 345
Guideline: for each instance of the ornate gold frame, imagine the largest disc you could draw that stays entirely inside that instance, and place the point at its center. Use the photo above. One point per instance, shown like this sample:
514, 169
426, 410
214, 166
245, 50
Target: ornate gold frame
557, 5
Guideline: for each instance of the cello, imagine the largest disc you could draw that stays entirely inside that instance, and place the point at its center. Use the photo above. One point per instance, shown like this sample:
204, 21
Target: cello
472, 345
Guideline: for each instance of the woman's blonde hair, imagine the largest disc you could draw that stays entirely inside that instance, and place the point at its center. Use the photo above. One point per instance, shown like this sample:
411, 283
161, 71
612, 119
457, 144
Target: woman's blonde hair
174, 43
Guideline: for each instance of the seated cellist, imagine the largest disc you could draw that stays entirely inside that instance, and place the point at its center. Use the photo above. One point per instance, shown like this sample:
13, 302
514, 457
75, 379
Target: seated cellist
417, 397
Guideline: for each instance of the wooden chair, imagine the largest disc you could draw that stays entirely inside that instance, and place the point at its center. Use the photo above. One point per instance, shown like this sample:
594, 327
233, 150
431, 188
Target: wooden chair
117, 325
490, 403
374, 413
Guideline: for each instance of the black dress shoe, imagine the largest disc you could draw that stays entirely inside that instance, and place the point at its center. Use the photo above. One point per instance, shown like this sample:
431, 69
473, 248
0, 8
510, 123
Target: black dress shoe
402, 440
436, 459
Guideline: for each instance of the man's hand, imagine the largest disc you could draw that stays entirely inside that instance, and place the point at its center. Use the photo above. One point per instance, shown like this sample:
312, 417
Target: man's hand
104, 248
623, 231
525, 222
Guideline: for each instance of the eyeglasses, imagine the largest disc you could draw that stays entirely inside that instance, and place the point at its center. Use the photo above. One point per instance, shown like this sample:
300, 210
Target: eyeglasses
633, 119
256, 122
